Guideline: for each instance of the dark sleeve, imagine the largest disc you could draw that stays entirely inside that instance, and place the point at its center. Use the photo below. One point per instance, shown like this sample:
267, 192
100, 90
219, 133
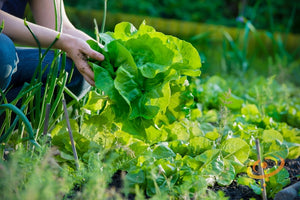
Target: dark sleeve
15, 7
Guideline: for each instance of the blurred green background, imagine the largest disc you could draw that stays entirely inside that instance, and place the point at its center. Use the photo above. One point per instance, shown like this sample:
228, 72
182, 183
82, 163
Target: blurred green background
265, 14
235, 37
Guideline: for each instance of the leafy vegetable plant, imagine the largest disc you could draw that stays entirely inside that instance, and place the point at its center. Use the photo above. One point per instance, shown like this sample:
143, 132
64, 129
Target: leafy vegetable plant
139, 71
157, 121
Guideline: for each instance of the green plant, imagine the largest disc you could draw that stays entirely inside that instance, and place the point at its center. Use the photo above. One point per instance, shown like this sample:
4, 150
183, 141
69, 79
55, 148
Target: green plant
273, 15
140, 70
1, 27
32, 107
190, 153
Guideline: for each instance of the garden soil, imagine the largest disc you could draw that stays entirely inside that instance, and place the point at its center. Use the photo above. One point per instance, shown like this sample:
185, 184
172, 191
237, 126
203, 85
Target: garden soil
233, 191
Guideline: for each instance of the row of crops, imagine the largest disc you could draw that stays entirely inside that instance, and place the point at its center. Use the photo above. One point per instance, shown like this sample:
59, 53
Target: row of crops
173, 134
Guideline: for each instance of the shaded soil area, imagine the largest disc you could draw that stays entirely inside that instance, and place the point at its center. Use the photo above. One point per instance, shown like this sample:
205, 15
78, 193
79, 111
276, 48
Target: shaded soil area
233, 191
237, 192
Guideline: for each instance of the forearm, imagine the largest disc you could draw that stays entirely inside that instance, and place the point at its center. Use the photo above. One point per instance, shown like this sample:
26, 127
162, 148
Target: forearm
47, 18
19, 33
71, 40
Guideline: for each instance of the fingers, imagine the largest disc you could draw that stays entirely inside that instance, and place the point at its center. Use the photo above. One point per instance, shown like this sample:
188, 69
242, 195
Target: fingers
79, 54
96, 55
86, 50
84, 68
86, 71
90, 81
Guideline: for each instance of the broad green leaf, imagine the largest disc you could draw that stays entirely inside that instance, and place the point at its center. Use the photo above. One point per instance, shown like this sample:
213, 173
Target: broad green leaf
211, 116
292, 135
144, 129
276, 149
195, 114
106, 37
206, 128
106, 62
151, 102
155, 135
124, 138
277, 182
193, 183
162, 151
294, 152
189, 64
213, 162
150, 70
235, 148
144, 28
82, 144
231, 101
251, 113
95, 101
124, 31
139, 148
136, 176
191, 162
105, 82
98, 128
271, 135
227, 175
218, 82
199, 144
212, 135
120, 56
186, 58
150, 55
256, 188
242, 180
168, 168
126, 85
61, 127
177, 131
179, 146
137, 127
94, 45
293, 116
68, 157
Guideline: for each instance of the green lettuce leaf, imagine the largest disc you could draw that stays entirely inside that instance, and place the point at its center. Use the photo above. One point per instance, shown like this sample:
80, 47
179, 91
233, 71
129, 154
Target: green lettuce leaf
140, 68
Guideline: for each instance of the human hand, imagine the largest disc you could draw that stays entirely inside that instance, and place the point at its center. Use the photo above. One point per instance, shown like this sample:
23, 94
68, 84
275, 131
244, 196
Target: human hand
79, 51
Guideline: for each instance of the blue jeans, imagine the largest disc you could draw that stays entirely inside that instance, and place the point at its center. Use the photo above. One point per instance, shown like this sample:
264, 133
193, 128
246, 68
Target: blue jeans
17, 66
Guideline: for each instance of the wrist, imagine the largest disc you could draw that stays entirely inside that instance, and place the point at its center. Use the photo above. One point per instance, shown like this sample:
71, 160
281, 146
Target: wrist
64, 42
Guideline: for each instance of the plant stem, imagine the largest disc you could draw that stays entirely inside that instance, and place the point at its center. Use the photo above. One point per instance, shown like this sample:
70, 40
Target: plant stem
1, 26
24, 119
70, 134
261, 171
46, 119
104, 16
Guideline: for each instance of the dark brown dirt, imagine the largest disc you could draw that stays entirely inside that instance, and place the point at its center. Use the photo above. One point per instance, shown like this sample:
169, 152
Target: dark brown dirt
237, 192
233, 191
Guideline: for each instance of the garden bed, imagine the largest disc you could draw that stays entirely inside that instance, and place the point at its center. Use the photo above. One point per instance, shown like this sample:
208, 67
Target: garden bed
154, 128
234, 191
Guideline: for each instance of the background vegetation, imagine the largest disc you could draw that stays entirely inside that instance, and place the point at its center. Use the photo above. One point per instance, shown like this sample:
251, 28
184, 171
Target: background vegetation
265, 14
223, 50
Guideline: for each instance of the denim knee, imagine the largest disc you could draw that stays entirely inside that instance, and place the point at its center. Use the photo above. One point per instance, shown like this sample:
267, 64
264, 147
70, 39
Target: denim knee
8, 61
